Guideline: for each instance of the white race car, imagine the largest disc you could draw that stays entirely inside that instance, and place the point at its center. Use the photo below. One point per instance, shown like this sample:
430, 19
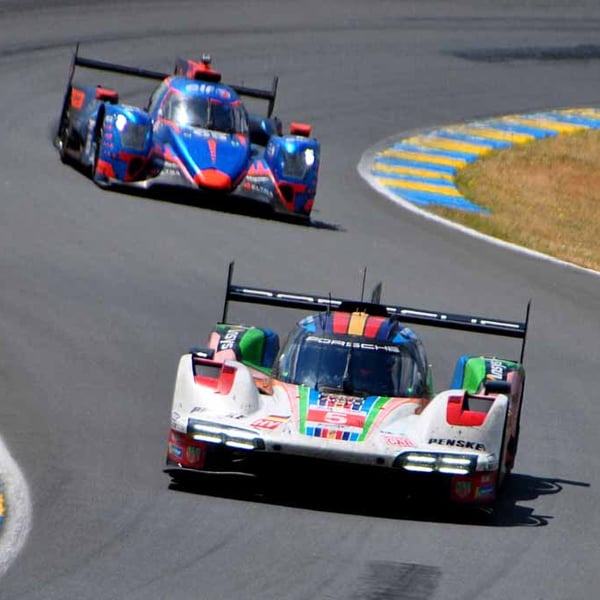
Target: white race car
351, 385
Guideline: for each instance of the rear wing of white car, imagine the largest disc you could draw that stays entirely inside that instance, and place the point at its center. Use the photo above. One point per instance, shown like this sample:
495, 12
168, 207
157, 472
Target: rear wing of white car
405, 314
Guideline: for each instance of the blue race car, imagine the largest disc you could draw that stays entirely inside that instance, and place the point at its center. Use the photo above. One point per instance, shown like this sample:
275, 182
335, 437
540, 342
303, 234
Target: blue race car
195, 132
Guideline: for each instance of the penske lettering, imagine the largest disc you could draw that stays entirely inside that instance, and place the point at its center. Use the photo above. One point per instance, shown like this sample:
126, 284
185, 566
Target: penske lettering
458, 444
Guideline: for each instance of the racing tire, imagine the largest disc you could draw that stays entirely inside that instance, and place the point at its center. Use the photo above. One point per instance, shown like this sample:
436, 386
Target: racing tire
62, 135
62, 142
99, 180
513, 443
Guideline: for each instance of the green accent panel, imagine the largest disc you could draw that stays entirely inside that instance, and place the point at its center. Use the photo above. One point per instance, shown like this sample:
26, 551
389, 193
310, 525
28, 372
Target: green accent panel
251, 345
475, 372
303, 394
373, 413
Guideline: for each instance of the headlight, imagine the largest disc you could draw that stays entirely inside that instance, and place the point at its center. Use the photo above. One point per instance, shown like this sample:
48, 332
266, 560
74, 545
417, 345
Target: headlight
432, 462
234, 437
133, 136
297, 161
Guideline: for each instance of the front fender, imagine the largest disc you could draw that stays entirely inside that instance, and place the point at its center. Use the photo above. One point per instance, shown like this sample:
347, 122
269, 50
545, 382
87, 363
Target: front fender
125, 142
294, 161
461, 422
206, 386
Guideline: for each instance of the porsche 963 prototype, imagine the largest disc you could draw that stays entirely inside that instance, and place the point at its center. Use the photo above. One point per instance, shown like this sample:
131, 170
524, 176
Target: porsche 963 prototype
351, 385
195, 133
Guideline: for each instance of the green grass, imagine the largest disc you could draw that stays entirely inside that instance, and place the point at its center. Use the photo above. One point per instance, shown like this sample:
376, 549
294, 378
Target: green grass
544, 195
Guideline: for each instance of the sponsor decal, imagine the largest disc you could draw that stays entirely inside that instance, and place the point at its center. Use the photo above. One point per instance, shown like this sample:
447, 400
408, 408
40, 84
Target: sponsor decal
176, 451
230, 339
257, 188
271, 422
485, 491
398, 442
170, 169
467, 445
340, 401
497, 369
333, 417
193, 455
462, 489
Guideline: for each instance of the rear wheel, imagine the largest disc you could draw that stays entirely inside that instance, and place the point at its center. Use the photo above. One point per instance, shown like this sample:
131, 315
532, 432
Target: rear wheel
514, 439
62, 135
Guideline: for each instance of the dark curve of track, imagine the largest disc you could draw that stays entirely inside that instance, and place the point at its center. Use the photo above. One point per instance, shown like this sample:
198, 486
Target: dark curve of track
102, 291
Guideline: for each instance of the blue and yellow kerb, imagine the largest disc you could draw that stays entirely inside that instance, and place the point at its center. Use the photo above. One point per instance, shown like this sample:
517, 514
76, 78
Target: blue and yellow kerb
422, 169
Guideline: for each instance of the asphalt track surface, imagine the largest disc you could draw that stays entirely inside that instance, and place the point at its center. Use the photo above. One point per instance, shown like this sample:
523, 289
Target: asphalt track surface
100, 293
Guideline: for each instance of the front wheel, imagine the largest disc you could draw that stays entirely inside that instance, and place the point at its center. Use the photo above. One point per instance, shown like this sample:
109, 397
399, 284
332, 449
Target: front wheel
98, 176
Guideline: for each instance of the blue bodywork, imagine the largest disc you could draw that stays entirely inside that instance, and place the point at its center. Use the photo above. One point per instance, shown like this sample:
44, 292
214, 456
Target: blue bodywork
195, 132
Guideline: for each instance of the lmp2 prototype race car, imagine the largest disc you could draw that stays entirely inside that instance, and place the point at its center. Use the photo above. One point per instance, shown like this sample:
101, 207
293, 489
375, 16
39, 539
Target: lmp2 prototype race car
351, 385
195, 133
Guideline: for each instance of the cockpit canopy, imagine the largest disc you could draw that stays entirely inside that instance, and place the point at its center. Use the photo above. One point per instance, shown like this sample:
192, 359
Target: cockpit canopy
206, 113
352, 365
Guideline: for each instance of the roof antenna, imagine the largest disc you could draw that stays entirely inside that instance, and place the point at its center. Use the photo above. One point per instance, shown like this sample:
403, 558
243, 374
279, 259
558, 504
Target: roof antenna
325, 316
376, 293
522, 358
229, 276
362, 291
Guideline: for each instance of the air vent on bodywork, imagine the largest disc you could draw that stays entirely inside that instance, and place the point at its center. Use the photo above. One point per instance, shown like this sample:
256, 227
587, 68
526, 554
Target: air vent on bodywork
468, 410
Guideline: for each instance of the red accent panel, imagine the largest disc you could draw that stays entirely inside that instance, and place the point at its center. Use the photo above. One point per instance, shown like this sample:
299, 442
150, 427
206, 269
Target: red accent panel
226, 379
340, 322
479, 488
213, 179
302, 129
198, 70
185, 451
373, 325
456, 414
77, 98
105, 168
107, 94
210, 382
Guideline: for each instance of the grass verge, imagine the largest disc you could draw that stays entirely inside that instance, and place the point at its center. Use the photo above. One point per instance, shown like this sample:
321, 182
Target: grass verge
544, 195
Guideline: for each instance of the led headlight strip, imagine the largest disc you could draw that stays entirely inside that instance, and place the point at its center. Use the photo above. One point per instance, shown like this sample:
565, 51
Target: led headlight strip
430, 462
234, 437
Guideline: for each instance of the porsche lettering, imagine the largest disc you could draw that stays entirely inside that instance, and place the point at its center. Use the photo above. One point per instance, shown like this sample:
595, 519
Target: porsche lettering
350, 344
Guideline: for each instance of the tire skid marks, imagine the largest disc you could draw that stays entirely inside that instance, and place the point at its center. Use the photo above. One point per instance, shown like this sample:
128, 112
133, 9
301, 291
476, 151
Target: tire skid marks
422, 169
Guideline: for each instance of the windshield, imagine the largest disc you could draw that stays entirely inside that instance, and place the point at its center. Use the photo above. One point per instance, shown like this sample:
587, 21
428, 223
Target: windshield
348, 366
206, 113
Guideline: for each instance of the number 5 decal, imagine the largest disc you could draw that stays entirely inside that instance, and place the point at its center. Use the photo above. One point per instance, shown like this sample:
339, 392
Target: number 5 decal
338, 418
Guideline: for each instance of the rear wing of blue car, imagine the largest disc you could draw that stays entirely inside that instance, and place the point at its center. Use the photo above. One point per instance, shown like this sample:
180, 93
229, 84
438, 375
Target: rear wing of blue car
405, 314
182, 67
